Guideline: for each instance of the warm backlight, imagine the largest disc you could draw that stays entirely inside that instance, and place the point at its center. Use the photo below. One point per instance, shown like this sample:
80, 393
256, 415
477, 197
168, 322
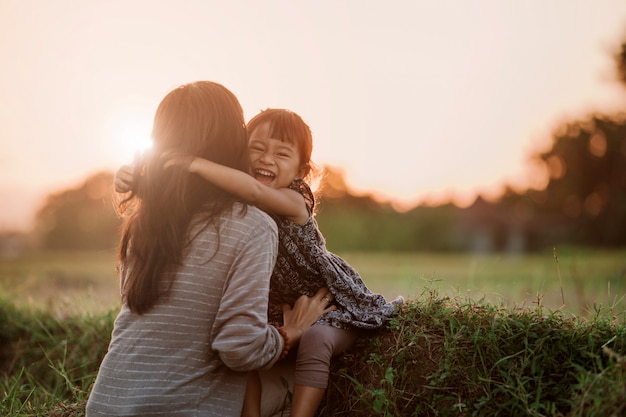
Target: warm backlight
130, 135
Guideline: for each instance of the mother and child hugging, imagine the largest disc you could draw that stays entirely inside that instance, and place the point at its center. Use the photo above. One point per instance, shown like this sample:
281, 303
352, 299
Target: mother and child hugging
226, 284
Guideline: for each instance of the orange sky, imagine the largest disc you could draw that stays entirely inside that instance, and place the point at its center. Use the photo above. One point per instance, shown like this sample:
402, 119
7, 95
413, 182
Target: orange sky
414, 99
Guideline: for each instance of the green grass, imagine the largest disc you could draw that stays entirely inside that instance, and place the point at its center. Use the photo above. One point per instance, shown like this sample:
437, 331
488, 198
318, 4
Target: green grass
65, 282
446, 357
480, 335
48, 362
439, 357
584, 279
588, 278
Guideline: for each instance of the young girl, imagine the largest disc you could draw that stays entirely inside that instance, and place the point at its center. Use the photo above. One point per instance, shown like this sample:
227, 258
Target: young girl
280, 146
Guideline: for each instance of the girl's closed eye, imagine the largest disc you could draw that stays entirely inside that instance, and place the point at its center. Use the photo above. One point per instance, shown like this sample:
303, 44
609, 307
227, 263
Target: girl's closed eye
256, 148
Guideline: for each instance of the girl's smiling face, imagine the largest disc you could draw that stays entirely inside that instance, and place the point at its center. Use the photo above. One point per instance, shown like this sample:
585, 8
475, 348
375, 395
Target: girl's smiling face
274, 162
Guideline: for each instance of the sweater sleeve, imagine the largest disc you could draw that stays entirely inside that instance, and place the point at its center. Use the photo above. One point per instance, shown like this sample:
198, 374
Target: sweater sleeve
242, 336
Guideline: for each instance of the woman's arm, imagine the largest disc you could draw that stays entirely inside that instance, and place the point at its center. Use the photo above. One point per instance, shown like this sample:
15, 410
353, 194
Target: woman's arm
283, 201
240, 333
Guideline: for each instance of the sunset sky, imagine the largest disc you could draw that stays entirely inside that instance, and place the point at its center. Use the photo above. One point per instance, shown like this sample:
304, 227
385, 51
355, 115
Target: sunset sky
415, 100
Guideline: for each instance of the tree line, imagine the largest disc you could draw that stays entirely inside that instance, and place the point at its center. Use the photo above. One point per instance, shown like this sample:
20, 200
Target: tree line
583, 203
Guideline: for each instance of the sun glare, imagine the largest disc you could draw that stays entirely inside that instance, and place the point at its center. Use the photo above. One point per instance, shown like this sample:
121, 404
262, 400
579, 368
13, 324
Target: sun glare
130, 135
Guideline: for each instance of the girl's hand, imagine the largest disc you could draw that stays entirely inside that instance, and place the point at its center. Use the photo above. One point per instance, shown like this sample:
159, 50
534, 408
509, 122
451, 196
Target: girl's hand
123, 181
173, 158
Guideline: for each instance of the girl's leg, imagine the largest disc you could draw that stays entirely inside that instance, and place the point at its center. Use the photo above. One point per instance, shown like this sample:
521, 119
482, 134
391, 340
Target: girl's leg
252, 400
306, 400
317, 346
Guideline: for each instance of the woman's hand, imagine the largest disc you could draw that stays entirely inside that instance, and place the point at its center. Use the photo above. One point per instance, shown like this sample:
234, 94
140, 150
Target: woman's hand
305, 312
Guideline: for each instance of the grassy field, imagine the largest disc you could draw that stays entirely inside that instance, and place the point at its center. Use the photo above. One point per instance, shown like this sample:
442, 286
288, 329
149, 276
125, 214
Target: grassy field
459, 347
578, 281
582, 278
68, 282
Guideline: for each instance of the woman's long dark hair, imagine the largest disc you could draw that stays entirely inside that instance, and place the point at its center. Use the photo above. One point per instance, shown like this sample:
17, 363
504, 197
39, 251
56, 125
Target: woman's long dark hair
203, 119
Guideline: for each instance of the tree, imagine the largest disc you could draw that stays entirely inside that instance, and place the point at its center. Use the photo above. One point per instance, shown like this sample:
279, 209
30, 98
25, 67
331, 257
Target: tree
80, 218
585, 198
586, 193
360, 223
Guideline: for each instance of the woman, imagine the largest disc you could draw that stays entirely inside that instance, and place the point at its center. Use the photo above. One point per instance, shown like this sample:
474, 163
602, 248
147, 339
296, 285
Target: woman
195, 265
